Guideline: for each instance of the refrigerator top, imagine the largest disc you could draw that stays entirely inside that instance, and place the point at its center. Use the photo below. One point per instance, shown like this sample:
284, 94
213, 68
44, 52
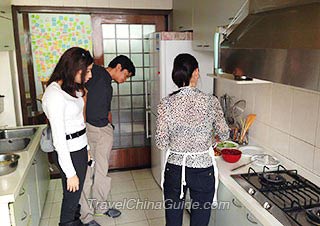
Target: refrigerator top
173, 35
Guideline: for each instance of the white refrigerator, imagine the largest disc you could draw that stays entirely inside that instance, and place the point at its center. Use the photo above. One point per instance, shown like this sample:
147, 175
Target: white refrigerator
164, 47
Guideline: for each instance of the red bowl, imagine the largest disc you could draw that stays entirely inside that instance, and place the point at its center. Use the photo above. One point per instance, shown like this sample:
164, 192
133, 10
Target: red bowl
231, 155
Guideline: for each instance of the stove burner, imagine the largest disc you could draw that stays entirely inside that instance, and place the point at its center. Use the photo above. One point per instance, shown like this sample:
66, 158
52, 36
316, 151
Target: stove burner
313, 215
272, 179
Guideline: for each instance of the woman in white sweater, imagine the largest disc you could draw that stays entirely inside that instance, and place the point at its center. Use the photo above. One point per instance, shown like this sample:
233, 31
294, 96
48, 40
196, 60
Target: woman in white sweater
63, 104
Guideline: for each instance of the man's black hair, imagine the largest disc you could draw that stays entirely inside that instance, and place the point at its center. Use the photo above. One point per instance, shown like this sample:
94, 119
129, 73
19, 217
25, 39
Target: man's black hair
125, 63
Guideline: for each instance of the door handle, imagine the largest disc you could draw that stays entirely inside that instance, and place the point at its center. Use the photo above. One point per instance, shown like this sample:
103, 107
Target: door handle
148, 135
146, 95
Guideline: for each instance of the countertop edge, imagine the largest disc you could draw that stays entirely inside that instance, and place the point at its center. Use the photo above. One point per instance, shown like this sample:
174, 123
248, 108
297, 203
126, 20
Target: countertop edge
18, 176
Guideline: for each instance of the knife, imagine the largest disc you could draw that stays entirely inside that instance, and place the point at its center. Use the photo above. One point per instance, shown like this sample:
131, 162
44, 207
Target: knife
243, 165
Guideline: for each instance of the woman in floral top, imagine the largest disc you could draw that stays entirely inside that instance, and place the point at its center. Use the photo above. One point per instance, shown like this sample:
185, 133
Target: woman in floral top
186, 119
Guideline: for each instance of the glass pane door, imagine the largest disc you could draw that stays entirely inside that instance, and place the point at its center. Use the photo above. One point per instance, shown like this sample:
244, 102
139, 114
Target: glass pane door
128, 103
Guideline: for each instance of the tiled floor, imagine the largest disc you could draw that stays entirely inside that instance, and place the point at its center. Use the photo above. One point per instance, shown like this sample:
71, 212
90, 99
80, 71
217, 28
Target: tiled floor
129, 185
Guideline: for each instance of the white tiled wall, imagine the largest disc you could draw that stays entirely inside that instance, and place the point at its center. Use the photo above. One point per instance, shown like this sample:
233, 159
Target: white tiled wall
288, 119
130, 4
305, 115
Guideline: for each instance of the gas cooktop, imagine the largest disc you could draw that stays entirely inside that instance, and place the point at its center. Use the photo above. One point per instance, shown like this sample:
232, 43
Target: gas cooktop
290, 198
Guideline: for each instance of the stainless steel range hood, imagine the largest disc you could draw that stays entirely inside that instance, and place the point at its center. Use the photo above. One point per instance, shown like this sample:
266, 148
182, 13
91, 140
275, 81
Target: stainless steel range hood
278, 41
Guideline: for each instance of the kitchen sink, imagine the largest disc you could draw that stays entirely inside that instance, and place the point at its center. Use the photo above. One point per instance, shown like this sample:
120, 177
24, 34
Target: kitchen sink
13, 144
17, 133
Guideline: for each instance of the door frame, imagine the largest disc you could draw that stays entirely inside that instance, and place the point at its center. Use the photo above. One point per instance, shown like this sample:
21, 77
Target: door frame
68, 10
98, 19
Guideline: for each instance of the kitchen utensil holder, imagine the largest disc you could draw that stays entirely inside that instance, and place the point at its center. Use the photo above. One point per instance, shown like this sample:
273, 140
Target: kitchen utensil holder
235, 135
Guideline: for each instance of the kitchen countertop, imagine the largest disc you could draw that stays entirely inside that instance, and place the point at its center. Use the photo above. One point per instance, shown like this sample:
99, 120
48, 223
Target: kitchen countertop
10, 184
250, 203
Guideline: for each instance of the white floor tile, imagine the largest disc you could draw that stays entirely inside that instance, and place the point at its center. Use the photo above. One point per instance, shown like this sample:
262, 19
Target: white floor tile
145, 184
151, 194
186, 218
53, 222
157, 222
105, 220
122, 187
129, 216
58, 195
59, 184
154, 213
120, 176
125, 200
46, 210
50, 196
142, 174
139, 223
52, 185
44, 222
55, 211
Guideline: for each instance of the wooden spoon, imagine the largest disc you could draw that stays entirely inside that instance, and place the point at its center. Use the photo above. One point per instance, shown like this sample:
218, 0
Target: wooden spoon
250, 119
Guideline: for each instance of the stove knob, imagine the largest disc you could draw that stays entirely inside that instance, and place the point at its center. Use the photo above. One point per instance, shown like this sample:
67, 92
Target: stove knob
266, 205
251, 191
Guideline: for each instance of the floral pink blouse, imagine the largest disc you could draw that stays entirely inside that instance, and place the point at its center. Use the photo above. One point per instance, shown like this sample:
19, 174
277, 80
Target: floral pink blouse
186, 121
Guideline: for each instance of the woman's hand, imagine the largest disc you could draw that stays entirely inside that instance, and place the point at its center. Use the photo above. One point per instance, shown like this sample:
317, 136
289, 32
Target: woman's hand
73, 184
89, 156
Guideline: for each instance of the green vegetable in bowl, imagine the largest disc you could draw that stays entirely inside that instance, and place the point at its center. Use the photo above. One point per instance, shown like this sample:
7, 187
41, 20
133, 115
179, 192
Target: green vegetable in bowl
226, 144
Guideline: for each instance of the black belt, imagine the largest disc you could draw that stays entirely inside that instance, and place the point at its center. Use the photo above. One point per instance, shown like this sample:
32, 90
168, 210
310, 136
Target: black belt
76, 134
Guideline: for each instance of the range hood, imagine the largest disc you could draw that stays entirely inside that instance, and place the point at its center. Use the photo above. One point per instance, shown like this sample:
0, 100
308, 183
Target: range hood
278, 41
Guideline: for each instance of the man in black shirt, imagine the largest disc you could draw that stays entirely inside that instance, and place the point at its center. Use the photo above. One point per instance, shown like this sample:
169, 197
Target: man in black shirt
97, 184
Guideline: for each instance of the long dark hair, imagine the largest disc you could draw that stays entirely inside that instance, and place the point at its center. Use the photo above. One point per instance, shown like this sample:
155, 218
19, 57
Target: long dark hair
183, 66
71, 61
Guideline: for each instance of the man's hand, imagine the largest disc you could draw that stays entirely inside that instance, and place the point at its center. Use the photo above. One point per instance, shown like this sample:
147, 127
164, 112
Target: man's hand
110, 117
73, 183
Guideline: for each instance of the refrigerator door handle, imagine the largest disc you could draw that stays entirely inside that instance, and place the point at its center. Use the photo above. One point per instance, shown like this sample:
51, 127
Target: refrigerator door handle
146, 95
148, 135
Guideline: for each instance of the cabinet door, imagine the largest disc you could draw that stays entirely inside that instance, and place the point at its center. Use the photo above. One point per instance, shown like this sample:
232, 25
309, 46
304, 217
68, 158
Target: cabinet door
6, 34
20, 209
230, 211
251, 220
43, 177
182, 15
31, 188
203, 28
208, 16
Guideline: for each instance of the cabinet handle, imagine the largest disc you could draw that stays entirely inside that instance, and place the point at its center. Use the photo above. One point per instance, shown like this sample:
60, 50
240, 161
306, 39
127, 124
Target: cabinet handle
250, 220
199, 45
236, 205
22, 192
180, 27
206, 46
34, 162
25, 216
230, 18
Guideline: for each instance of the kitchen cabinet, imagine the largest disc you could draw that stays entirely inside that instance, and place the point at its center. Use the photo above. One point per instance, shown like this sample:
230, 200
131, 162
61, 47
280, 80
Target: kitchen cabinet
208, 16
231, 211
6, 34
31, 190
20, 210
182, 15
28, 206
43, 177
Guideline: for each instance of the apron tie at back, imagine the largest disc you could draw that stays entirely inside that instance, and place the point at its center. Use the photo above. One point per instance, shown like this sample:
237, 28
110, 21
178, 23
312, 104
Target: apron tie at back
183, 171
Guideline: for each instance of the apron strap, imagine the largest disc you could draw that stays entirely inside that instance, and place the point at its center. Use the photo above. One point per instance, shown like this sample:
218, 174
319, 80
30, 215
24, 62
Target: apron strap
183, 168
